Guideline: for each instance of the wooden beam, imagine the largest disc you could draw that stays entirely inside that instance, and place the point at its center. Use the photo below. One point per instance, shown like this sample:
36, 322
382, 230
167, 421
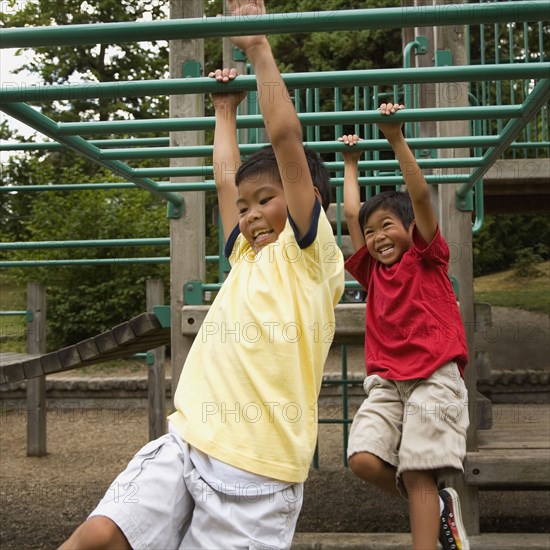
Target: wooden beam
187, 237
36, 387
156, 390
508, 468
350, 322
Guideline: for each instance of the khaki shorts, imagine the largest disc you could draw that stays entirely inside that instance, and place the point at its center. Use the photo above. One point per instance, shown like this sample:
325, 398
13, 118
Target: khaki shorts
415, 424
161, 502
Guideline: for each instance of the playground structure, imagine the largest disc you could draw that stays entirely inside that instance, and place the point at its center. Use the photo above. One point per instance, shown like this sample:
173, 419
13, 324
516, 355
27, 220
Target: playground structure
456, 121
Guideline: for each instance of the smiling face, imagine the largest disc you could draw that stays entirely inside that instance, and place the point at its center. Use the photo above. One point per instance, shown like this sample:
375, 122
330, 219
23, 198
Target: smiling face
262, 211
386, 237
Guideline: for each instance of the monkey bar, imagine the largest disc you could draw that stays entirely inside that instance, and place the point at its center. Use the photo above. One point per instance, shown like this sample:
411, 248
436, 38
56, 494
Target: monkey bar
318, 21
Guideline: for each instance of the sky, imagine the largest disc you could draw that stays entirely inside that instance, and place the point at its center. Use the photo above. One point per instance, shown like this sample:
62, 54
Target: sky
8, 62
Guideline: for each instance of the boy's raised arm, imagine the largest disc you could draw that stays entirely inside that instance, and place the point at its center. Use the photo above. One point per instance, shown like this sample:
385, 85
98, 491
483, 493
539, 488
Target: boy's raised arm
226, 156
280, 118
352, 198
419, 191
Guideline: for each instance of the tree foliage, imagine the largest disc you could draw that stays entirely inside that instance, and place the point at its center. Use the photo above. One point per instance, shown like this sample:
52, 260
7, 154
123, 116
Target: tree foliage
502, 237
86, 300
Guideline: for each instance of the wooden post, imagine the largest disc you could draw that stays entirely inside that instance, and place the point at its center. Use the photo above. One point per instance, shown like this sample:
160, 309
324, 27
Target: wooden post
456, 226
187, 234
156, 385
36, 387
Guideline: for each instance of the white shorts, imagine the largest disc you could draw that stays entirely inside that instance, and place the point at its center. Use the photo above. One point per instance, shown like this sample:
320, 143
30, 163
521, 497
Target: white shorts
160, 502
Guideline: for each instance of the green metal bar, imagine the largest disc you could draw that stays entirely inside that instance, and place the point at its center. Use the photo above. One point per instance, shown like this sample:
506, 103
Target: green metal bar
69, 187
532, 144
306, 119
13, 313
379, 18
208, 171
39, 245
48, 127
327, 79
320, 147
247, 149
50, 146
478, 187
209, 184
531, 105
80, 262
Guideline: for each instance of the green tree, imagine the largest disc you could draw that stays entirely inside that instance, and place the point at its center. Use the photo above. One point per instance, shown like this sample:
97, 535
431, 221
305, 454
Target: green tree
86, 300
496, 246
339, 50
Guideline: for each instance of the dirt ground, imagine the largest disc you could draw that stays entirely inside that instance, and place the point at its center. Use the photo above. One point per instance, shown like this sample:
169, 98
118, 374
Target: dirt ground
43, 499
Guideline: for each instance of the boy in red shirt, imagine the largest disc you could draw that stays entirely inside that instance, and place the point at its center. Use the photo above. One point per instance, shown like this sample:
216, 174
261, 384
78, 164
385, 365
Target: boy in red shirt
412, 424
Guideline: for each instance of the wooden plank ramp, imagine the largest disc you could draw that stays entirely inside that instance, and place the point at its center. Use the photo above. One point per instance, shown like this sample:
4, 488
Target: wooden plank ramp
140, 334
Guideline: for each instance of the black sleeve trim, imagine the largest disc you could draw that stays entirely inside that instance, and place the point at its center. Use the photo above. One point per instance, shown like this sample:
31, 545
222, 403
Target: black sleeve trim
228, 249
311, 235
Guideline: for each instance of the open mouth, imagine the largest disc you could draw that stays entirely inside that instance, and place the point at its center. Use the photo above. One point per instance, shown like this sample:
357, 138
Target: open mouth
261, 235
386, 250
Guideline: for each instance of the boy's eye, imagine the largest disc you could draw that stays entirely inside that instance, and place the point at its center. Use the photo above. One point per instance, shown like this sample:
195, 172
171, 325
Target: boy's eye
265, 200
242, 211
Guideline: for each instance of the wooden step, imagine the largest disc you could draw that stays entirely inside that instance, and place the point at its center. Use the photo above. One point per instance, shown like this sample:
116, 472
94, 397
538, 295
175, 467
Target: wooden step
403, 541
508, 469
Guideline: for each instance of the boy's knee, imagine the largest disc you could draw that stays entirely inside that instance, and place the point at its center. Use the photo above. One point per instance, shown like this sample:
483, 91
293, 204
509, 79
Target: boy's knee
98, 532
366, 466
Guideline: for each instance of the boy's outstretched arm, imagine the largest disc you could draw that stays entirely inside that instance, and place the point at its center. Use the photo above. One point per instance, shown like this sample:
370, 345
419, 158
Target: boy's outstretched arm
352, 199
418, 189
226, 156
280, 118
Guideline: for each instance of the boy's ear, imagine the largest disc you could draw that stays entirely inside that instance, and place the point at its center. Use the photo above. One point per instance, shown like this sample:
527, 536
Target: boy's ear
318, 194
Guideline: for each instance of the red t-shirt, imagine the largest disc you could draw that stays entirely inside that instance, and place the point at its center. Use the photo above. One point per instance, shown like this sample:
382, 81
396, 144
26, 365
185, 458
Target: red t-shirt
413, 324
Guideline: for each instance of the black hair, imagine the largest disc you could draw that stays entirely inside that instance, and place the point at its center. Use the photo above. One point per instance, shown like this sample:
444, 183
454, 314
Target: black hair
264, 164
397, 202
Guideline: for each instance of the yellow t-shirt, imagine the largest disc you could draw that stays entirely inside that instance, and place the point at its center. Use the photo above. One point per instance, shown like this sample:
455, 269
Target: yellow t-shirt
248, 391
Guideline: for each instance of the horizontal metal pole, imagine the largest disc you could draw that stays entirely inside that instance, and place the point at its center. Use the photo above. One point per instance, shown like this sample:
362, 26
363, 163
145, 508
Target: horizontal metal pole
388, 180
67, 187
209, 184
320, 147
84, 261
80, 262
54, 146
158, 147
13, 313
40, 245
49, 128
21, 92
306, 119
208, 171
319, 21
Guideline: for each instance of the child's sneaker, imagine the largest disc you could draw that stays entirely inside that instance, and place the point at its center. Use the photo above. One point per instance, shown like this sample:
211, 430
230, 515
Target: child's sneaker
452, 534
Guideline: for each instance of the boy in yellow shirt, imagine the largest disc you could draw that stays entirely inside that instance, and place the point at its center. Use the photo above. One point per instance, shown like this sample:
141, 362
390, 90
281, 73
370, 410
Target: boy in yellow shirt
230, 473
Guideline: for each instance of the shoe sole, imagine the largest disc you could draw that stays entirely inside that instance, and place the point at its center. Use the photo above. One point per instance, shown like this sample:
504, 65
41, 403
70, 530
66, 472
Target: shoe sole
458, 518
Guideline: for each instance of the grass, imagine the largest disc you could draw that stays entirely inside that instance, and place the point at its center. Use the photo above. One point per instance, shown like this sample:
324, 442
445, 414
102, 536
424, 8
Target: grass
12, 327
507, 289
